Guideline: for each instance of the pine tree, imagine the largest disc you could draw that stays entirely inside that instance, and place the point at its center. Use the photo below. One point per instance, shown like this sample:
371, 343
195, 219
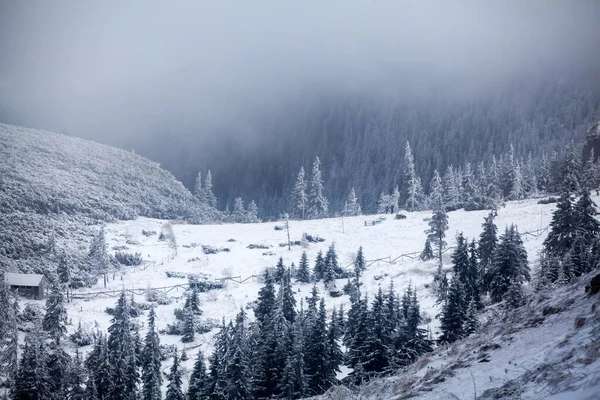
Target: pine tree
414, 191
98, 255
317, 204
208, 196
451, 191
508, 166
319, 268
293, 384
427, 253
63, 271
55, 319
279, 271
548, 271
472, 278
174, 391
330, 266
192, 301
488, 240
58, 363
121, 354
360, 264
585, 213
151, 364
469, 185
589, 174
436, 192
570, 170
99, 368
286, 293
544, 177
318, 369
303, 272
32, 380
514, 296
510, 264
9, 334
517, 190
77, 379
453, 313
579, 257
529, 176
471, 324
198, 379
266, 301
377, 348
252, 213
239, 212
198, 186
216, 387
335, 355
481, 182
299, 198
438, 225
189, 325
237, 374
563, 228
91, 392
352, 207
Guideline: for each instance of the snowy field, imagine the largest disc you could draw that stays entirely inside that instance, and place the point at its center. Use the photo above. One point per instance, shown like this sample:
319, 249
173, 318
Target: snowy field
388, 239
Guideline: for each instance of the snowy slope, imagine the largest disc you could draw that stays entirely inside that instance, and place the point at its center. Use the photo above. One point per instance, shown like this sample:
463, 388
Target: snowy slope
56, 184
389, 239
533, 353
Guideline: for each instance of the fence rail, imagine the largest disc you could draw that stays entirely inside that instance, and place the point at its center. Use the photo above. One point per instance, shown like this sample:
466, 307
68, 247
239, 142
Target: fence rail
238, 279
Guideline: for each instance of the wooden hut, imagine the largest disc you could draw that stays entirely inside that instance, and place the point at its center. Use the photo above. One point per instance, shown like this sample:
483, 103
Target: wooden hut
27, 285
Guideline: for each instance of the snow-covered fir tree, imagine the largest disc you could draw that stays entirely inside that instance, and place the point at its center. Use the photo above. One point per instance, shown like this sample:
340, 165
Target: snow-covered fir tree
238, 212
517, 189
237, 369
319, 267
352, 207
252, 213
151, 362
174, 387
55, 318
198, 379
436, 192
33, 380
510, 265
206, 194
124, 375
454, 313
562, 228
299, 196
317, 203
451, 190
414, 190
98, 254
198, 186
303, 271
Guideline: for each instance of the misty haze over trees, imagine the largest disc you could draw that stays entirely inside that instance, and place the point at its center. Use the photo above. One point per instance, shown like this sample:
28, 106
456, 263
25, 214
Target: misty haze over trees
253, 95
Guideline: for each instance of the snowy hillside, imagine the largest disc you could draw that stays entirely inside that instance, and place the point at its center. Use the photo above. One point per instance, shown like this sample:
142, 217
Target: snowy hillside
549, 349
384, 242
55, 183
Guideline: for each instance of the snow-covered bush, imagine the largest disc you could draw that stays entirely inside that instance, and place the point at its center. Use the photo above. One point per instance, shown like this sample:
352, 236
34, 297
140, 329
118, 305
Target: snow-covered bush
128, 259
83, 336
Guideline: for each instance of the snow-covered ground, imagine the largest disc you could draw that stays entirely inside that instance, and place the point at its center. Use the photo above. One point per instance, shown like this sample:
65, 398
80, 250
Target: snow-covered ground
388, 239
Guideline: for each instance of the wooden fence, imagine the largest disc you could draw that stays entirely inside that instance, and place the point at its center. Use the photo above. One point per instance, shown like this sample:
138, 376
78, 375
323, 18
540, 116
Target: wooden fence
238, 279
143, 291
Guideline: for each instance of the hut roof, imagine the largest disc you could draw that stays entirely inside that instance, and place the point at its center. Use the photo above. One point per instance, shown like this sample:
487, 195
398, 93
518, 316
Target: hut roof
23, 279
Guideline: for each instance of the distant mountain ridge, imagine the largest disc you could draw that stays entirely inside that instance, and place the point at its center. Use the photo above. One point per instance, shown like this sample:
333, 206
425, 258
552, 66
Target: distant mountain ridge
53, 185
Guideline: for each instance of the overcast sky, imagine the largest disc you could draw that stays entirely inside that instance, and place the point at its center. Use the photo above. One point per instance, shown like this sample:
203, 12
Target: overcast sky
118, 67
